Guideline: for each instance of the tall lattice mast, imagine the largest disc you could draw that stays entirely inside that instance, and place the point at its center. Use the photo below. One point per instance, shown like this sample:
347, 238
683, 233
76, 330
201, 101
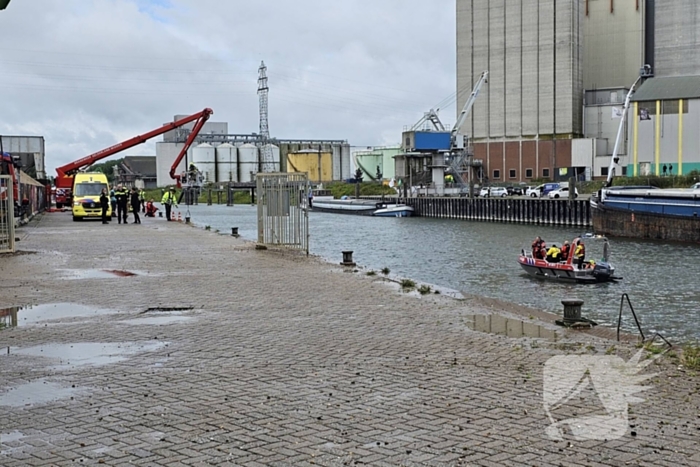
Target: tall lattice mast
268, 165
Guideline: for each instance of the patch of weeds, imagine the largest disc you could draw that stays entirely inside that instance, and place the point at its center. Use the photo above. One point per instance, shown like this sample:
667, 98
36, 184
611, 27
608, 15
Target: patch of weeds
386, 271
654, 349
611, 350
424, 289
590, 348
371, 273
207, 227
407, 284
532, 317
2, 325
690, 357
534, 345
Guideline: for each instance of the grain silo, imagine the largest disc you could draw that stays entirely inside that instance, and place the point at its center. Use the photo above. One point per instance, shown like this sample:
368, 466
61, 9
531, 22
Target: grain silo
247, 162
275, 150
226, 163
204, 157
318, 164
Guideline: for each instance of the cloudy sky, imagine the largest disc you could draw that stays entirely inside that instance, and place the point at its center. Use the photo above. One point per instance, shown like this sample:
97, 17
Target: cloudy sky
86, 74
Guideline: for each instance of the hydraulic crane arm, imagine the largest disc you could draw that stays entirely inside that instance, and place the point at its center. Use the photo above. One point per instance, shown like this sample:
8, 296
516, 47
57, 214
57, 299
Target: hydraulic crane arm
615, 159
200, 121
67, 171
469, 104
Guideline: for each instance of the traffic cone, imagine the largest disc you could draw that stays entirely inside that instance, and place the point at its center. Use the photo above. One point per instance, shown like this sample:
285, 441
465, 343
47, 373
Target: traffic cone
179, 217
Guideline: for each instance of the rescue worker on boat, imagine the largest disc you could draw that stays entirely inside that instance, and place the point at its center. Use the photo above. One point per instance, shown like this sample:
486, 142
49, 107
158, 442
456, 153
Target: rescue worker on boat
554, 254
565, 250
538, 248
580, 254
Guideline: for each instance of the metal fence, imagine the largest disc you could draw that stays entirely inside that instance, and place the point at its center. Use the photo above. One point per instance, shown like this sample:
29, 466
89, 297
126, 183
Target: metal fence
7, 215
283, 218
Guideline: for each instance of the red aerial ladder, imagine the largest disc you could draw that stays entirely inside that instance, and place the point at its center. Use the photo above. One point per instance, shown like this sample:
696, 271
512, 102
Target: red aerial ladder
64, 174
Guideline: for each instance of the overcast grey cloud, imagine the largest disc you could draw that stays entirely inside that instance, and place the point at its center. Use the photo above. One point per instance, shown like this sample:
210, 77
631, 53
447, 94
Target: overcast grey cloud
86, 74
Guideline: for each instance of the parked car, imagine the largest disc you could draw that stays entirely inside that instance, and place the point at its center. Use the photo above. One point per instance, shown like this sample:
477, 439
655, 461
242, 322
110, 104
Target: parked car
534, 191
696, 186
561, 193
514, 190
495, 192
484, 192
547, 187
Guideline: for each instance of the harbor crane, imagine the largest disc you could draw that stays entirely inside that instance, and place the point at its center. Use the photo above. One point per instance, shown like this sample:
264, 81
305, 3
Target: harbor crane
458, 147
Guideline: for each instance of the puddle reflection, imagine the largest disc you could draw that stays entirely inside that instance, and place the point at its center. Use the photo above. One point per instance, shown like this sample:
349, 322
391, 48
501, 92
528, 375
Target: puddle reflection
32, 314
496, 324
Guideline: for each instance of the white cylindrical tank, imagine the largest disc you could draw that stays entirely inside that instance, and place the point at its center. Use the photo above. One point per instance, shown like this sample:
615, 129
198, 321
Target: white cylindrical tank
275, 150
204, 157
226, 163
247, 162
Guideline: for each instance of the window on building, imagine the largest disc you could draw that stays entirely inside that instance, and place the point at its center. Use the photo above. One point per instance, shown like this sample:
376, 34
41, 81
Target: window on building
528, 173
496, 174
545, 173
624, 170
512, 173
604, 171
671, 107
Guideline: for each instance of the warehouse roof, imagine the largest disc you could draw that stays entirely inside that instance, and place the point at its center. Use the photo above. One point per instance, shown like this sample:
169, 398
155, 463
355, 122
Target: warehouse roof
668, 88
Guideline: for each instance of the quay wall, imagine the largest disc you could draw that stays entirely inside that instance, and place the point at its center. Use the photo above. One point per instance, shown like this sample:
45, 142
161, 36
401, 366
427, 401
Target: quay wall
576, 213
619, 223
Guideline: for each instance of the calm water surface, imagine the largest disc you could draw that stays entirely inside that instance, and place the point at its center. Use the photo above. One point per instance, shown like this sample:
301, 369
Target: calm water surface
481, 258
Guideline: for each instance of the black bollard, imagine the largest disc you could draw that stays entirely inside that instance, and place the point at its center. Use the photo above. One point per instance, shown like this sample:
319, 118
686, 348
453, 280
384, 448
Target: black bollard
572, 309
234, 232
347, 259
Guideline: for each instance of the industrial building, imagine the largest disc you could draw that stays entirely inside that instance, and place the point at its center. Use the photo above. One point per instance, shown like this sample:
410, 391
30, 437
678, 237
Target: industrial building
30, 150
559, 73
224, 157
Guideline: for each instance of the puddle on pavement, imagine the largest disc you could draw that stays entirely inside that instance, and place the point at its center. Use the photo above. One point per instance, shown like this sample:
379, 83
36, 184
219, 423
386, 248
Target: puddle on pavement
509, 327
34, 393
87, 354
78, 274
155, 320
33, 314
11, 437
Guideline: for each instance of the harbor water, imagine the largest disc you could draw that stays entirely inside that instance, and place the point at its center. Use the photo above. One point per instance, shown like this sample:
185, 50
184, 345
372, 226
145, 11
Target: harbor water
480, 258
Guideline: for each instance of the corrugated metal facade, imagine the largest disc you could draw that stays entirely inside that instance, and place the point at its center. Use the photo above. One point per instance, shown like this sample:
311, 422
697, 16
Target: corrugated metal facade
677, 34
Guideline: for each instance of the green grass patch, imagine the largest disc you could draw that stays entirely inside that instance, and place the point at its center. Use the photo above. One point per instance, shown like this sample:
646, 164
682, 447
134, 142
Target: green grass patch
386, 271
407, 284
424, 289
340, 189
371, 273
690, 357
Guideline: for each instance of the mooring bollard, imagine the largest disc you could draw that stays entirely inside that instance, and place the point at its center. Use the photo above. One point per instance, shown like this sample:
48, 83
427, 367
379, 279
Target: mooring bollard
187, 219
572, 309
347, 259
234, 232
160, 214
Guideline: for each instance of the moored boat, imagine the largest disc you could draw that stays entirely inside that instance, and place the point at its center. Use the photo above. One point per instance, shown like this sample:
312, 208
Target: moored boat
362, 207
569, 270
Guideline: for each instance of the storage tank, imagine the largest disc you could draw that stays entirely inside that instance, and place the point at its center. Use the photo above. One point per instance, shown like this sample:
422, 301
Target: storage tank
318, 164
369, 161
226, 163
247, 162
275, 156
204, 157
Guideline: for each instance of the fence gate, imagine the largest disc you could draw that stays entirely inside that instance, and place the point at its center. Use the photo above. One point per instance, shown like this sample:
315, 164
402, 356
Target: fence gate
283, 218
7, 215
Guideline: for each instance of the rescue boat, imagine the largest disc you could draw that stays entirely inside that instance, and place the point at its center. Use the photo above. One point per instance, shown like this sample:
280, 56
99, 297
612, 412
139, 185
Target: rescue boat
568, 271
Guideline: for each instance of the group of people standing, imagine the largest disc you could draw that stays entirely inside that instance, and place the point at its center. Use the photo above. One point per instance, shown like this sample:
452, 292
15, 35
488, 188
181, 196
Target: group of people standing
556, 255
120, 200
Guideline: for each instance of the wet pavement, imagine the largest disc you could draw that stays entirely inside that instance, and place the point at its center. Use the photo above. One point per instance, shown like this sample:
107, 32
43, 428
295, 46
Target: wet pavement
214, 353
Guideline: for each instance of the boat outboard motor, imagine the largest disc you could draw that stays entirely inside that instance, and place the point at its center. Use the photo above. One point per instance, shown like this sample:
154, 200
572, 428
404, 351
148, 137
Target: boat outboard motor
602, 271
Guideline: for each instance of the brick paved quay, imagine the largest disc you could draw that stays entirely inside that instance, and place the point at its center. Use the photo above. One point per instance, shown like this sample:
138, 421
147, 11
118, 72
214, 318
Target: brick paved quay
284, 360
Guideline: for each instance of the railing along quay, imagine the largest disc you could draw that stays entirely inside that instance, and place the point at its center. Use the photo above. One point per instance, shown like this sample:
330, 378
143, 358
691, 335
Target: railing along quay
562, 212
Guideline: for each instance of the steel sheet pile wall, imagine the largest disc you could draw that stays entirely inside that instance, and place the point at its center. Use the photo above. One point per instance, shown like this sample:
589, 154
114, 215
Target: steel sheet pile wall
522, 211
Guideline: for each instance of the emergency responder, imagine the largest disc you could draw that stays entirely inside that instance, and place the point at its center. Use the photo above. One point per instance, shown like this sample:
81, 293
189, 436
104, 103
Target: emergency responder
553, 254
135, 204
104, 204
169, 199
538, 248
142, 199
580, 254
565, 251
122, 195
113, 201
